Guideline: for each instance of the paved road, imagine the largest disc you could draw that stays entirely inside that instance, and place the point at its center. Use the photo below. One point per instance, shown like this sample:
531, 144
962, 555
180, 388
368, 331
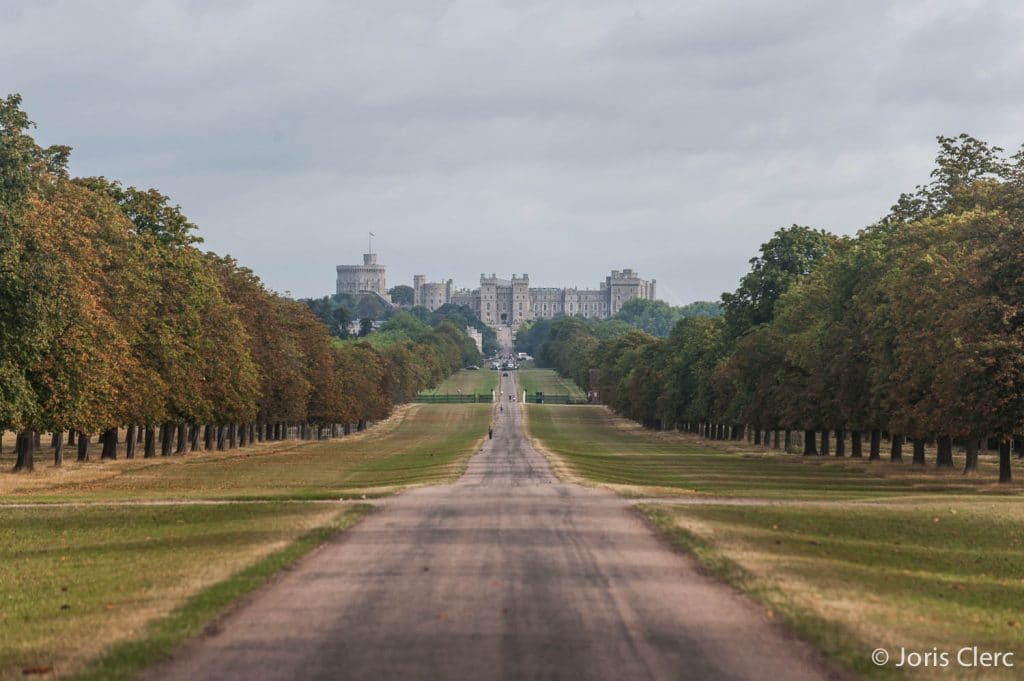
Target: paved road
506, 574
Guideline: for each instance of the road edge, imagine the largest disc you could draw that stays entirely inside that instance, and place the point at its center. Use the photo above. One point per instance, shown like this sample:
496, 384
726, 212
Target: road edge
839, 651
163, 635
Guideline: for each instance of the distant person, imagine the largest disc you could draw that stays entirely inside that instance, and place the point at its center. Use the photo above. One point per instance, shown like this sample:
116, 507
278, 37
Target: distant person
490, 432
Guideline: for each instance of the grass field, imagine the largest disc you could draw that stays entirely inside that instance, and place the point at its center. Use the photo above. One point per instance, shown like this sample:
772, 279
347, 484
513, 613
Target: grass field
117, 562
422, 444
853, 555
76, 582
547, 382
465, 382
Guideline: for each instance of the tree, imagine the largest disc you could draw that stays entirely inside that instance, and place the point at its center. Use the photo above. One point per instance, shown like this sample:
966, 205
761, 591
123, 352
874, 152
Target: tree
790, 254
365, 327
402, 295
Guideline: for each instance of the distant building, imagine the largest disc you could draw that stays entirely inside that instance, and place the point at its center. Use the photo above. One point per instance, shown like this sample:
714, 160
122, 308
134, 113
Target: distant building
477, 337
505, 303
431, 295
366, 278
510, 302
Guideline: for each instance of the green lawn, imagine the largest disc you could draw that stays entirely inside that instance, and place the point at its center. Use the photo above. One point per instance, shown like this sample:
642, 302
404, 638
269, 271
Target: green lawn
547, 382
75, 582
854, 555
429, 444
850, 578
600, 448
465, 382
115, 583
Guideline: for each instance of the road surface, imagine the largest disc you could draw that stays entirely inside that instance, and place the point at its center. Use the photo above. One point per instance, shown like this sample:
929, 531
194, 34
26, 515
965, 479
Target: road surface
505, 574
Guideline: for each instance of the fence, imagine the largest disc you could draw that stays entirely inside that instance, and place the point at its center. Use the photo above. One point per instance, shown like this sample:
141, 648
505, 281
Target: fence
432, 398
547, 398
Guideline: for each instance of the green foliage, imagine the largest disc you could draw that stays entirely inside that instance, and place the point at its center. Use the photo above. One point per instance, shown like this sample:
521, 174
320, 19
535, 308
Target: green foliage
915, 326
402, 295
658, 318
789, 255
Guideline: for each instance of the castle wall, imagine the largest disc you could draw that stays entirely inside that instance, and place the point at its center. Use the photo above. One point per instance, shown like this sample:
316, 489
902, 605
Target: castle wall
370, 276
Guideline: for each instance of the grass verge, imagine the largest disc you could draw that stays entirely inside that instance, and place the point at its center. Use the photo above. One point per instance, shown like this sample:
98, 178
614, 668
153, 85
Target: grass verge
135, 581
422, 444
467, 382
930, 577
547, 382
602, 448
161, 637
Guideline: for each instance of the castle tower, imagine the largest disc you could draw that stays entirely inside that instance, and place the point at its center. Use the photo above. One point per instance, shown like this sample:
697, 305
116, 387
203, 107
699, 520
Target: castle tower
369, 277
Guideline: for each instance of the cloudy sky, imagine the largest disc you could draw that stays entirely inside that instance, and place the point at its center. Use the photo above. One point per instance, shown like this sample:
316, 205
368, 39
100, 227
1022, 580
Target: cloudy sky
562, 139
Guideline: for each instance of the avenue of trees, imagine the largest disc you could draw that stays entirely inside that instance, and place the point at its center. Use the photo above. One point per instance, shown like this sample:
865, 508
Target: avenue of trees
911, 331
113, 323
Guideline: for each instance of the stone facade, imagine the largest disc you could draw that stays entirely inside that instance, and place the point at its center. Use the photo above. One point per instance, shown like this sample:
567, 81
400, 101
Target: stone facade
368, 277
431, 295
510, 302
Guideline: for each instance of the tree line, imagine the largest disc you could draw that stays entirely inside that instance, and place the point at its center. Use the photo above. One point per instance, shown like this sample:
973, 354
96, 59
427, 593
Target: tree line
113, 321
911, 330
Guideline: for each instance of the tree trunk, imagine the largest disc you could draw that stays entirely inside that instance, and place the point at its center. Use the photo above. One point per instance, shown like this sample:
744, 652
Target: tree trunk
71, 438
149, 448
809, 448
918, 443
787, 441
896, 450
58, 448
208, 437
757, 436
83, 446
25, 446
166, 439
348, 429
840, 442
193, 437
876, 445
221, 438
109, 440
971, 461
856, 444
944, 457
182, 439
1005, 473
130, 441
824, 442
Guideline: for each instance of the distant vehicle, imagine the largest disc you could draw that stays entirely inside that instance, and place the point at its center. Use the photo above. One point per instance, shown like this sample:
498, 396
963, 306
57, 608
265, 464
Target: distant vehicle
494, 365
522, 357
505, 373
472, 367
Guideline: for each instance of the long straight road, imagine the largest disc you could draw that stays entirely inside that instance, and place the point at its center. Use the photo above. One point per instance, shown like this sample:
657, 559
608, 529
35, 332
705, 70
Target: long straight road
505, 574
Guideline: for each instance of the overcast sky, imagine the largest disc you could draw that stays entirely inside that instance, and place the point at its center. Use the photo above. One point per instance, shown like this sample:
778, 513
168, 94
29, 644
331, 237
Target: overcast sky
563, 139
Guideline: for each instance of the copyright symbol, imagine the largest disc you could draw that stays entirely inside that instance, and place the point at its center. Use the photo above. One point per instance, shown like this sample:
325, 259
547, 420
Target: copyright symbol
880, 656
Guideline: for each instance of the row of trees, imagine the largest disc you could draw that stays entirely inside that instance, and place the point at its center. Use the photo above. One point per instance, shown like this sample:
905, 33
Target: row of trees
913, 328
112, 320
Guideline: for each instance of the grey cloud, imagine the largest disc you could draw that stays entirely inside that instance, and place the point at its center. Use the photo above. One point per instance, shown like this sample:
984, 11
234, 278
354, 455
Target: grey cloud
560, 138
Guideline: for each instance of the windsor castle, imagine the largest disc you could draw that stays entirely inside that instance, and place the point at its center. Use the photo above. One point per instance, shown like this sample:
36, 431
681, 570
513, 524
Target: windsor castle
505, 302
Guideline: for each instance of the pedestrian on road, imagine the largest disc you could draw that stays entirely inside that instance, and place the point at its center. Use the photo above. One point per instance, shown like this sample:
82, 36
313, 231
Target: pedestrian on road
490, 432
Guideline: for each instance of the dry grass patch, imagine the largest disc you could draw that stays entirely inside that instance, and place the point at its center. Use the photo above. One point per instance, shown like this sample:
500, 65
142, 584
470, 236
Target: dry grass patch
76, 581
927, 575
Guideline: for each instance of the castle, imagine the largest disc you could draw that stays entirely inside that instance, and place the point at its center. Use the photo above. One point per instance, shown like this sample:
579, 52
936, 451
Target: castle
365, 278
506, 303
510, 302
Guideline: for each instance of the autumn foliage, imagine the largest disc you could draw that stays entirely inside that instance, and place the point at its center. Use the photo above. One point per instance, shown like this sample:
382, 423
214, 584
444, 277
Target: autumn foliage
113, 322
